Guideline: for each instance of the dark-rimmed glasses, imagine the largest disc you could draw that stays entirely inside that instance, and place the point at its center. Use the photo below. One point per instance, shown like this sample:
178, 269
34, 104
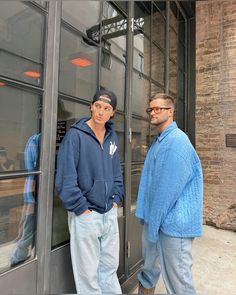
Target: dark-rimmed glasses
156, 110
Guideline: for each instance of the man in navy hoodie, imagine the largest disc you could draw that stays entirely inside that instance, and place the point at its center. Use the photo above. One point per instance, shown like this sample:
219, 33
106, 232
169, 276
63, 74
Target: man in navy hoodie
90, 185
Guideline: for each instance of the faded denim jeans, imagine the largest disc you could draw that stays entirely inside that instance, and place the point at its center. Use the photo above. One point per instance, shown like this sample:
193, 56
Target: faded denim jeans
172, 258
94, 244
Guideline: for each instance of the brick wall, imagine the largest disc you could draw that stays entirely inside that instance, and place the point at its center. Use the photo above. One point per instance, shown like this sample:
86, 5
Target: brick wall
216, 108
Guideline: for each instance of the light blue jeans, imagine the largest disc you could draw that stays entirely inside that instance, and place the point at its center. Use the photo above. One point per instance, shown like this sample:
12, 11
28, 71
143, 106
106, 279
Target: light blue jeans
172, 258
94, 245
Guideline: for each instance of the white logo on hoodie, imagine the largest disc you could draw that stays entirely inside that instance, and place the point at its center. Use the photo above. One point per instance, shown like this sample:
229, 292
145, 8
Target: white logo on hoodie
113, 148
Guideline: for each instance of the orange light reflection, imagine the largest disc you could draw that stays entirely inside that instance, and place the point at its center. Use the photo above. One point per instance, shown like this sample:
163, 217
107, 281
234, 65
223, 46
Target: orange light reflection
81, 62
32, 74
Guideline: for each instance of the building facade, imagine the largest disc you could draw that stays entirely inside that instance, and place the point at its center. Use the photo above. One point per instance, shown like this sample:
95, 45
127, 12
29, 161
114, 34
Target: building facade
215, 108
54, 55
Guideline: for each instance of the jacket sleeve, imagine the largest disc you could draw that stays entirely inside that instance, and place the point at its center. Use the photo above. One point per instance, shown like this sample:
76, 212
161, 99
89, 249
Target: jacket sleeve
66, 176
167, 188
118, 179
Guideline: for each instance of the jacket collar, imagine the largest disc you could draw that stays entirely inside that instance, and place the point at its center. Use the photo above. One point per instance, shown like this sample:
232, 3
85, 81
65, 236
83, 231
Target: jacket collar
167, 131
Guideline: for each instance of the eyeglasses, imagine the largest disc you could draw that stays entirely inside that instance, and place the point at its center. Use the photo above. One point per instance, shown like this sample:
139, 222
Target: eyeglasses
156, 110
99, 107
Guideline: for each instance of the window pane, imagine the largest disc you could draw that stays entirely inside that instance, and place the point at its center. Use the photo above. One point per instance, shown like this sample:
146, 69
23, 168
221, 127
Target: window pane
42, 3
181, 114
140, 94
78, 66
181, 57
172, 77
120, 130
158, 29
173, 15
142, 17
158, 65
21, 42
182, 24
140, 139
114, 30
114, 79
141, 60
76, 13
156, 88
17, 220
135, 179
173, 44
20, 114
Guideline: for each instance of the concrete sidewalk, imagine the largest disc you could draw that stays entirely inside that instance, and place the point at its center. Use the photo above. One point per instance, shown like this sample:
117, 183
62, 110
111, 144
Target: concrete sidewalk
214, 263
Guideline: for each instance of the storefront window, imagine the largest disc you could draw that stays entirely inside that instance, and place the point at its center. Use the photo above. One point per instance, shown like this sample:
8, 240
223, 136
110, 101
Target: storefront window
21, 42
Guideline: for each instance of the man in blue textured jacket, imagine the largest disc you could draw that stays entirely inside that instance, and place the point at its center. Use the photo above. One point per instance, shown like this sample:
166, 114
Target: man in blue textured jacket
169, 203
90, 185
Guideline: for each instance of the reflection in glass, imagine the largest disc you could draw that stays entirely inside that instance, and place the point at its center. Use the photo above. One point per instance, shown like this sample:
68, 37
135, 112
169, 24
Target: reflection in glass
172, 77
78, 66
140, 139
114, 79
141, 59
25, 240
114, 29
18, 199
173, 15
173, 44
119, 122
158, 29
158, 65
20, 116
142, 17
181, 114
76, 13
21, 42
140, 94
135, 179
156, 88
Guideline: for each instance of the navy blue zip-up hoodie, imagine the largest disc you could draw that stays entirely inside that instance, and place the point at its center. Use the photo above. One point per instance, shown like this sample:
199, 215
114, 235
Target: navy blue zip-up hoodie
88, 173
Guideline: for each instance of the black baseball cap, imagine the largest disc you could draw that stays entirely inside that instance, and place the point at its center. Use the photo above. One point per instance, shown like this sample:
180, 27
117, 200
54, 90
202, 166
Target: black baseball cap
106, 96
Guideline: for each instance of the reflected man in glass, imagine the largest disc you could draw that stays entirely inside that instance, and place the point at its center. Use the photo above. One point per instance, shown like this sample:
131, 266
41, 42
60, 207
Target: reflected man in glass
25, 240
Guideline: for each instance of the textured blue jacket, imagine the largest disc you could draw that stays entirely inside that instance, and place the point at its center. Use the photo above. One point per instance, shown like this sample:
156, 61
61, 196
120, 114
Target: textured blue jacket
171, 188
88, 173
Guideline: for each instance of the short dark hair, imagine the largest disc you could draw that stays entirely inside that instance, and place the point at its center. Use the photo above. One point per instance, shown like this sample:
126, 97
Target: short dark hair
162, 95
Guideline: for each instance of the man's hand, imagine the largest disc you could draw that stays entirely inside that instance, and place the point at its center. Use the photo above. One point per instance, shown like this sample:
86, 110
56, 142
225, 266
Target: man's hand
86, 212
